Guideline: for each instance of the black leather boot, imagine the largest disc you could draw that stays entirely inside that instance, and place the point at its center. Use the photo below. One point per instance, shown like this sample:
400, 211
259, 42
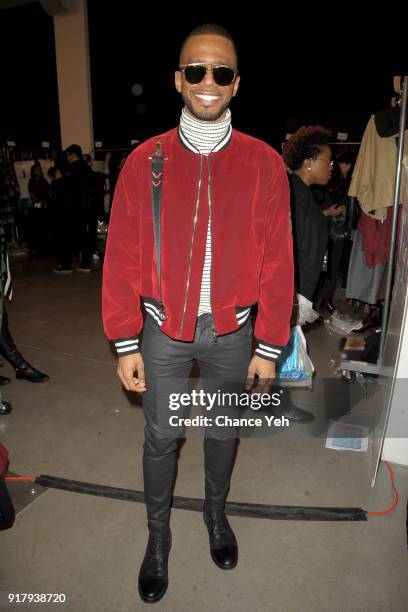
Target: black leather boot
9, 351
218, 461
159, 470
153, 576
27, 372
223, 544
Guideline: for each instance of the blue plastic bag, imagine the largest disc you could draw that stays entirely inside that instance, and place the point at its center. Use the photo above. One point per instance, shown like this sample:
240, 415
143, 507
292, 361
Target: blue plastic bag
295, 363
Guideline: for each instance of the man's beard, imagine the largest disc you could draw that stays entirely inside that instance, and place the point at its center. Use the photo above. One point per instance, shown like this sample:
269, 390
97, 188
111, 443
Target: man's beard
206, 115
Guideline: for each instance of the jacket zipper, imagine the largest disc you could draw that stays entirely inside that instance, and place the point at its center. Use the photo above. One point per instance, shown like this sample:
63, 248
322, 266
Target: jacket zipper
213, 328
191, 245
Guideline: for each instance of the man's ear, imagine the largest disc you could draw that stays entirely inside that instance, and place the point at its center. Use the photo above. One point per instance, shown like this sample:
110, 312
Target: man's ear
236, 85
178, 80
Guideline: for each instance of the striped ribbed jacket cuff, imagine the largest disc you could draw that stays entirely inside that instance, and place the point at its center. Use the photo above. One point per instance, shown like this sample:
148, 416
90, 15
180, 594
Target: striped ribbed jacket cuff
126, 346
271, 352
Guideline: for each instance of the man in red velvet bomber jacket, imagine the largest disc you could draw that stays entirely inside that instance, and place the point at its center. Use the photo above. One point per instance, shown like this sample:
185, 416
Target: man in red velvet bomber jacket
199, 232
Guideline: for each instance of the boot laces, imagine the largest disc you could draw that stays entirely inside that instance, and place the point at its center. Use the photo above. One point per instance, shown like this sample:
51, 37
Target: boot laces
157, 549
218, 524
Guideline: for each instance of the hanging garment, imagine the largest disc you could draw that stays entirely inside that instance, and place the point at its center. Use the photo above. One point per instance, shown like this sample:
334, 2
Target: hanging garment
373, 180
363, 283
376, 238
387, 121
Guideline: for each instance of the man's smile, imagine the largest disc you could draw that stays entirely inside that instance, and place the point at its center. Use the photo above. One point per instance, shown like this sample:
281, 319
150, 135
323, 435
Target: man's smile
207, 99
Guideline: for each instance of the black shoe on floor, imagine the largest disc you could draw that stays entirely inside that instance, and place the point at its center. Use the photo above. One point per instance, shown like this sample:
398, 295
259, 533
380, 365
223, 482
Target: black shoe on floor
153, 576
223, 544
293, 413
62, 270
28, 372
4, 380
5, 407
328, 306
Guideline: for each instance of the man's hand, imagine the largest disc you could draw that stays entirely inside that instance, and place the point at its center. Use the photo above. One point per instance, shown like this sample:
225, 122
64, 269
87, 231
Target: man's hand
127, 366
264, 369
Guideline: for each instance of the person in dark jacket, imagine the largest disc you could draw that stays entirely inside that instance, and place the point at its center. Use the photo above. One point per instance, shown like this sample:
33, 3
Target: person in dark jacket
308, 158
339, 228
83, 184
100, 184
8, 348
62, 193
39, 190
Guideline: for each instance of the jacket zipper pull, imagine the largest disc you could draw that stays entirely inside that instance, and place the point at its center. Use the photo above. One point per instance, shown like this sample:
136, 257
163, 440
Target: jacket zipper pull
162, 313
214, 332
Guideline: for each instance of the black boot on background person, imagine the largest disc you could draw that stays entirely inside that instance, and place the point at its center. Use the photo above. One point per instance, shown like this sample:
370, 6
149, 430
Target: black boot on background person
328, 306
8, 350
25, 371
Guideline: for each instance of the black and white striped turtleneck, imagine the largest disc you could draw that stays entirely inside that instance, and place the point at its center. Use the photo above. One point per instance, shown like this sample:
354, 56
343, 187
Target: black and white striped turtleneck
205, 137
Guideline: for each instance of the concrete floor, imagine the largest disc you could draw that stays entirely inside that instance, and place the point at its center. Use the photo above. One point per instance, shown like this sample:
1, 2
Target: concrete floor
82, 426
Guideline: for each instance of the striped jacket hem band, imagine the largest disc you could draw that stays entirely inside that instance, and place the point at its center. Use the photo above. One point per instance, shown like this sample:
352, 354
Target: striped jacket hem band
267, 355
153, 312
243, 316
129, 350
126, 347
120, 343
269, 349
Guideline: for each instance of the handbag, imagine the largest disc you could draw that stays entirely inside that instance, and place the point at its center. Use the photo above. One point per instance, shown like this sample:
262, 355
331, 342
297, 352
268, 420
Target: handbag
294, 363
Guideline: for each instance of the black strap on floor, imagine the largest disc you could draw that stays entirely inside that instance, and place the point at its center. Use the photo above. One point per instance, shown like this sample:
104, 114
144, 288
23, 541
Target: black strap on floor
282, 513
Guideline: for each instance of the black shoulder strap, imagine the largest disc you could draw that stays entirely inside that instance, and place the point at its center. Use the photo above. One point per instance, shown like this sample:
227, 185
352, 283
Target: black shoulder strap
157, 159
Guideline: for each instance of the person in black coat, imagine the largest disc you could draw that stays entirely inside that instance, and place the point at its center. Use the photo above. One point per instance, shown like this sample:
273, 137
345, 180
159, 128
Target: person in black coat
63, 199
83, 183
308, 158
39, 190
339, 228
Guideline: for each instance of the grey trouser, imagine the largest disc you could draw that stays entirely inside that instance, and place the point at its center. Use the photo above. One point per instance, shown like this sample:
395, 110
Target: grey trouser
168, 365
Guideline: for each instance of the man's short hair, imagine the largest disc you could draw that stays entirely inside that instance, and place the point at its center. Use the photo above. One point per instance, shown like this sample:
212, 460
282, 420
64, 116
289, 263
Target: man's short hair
210, 28
75, 149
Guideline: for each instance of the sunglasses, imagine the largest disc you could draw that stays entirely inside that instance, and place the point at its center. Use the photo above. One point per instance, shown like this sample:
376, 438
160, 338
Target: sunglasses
195, 73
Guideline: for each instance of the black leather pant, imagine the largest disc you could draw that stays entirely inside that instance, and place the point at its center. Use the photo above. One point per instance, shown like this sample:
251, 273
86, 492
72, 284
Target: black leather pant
168, 365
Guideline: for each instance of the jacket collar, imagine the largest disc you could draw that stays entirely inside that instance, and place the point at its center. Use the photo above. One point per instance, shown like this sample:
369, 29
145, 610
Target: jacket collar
188, 145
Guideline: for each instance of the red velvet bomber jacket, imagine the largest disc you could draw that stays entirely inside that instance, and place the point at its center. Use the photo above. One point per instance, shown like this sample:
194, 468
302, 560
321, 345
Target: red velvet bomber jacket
244, 187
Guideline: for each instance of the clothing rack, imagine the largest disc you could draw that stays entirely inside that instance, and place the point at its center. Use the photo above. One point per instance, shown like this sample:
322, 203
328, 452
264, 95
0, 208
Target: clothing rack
15, 154
344, 143
369, 368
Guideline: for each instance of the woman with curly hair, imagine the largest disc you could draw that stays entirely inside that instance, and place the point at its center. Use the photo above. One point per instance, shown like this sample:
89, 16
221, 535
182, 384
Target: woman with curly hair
308, 158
